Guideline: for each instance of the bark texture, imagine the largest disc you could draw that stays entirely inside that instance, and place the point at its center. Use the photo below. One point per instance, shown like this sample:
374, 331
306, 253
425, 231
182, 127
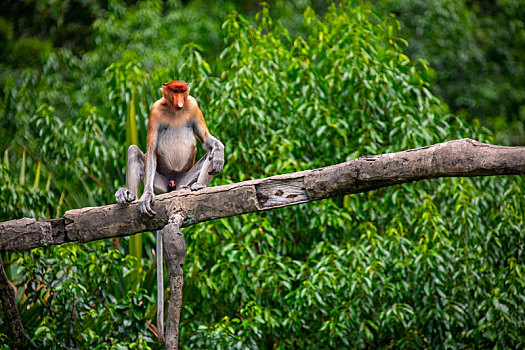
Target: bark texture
457, 158
11, 311
174, 254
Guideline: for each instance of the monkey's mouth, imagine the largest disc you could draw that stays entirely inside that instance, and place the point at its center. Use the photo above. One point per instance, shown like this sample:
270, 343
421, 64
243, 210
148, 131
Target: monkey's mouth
178, 108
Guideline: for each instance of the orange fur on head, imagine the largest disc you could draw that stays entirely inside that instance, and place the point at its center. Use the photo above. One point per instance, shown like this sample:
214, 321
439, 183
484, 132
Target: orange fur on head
176, 92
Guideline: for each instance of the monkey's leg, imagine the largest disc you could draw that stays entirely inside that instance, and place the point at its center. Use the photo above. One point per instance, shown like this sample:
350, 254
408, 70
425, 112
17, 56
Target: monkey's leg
134, 173
160, 183
197, 177
174, 253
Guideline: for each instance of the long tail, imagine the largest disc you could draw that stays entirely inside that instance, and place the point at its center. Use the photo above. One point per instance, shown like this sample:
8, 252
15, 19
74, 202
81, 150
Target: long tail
160, 288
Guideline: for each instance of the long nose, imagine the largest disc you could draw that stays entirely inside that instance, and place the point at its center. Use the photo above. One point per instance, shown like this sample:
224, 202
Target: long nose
179, 98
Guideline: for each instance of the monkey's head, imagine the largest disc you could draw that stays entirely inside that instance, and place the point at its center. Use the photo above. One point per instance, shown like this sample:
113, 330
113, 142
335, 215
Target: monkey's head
176, 92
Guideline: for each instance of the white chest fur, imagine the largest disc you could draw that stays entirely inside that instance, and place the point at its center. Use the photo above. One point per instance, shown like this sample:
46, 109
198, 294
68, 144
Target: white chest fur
175, 148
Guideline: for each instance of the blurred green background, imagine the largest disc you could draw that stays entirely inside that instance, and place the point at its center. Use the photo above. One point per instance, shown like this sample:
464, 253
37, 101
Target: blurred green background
286, 86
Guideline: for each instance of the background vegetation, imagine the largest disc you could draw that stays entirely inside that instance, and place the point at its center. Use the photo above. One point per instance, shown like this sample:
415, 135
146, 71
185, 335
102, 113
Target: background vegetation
478, 51
286, 87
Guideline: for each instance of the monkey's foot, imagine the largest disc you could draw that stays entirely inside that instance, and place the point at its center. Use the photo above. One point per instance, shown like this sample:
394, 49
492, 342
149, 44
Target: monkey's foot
197, 186
124, 196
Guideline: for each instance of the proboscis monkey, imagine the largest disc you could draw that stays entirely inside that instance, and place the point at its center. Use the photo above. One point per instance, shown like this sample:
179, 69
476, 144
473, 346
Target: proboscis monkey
174, 121
169, 162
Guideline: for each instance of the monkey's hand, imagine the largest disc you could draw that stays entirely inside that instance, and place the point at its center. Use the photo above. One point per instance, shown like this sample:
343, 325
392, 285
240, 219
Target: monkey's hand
145, 202
124, 196
217, 159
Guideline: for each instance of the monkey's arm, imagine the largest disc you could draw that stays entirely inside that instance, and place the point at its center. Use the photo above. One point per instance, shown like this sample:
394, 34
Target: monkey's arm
211, 145
216, 149
148, 198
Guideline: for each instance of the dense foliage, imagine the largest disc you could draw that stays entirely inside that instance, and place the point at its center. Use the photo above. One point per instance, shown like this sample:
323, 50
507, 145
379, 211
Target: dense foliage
434, 264
477, 48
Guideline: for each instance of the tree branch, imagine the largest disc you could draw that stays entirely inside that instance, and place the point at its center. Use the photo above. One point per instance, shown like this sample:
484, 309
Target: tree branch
7, 294
174, 253
457, 158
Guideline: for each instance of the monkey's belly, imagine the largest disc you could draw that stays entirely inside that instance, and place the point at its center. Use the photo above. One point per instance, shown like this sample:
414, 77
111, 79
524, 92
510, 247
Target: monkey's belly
176, 149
